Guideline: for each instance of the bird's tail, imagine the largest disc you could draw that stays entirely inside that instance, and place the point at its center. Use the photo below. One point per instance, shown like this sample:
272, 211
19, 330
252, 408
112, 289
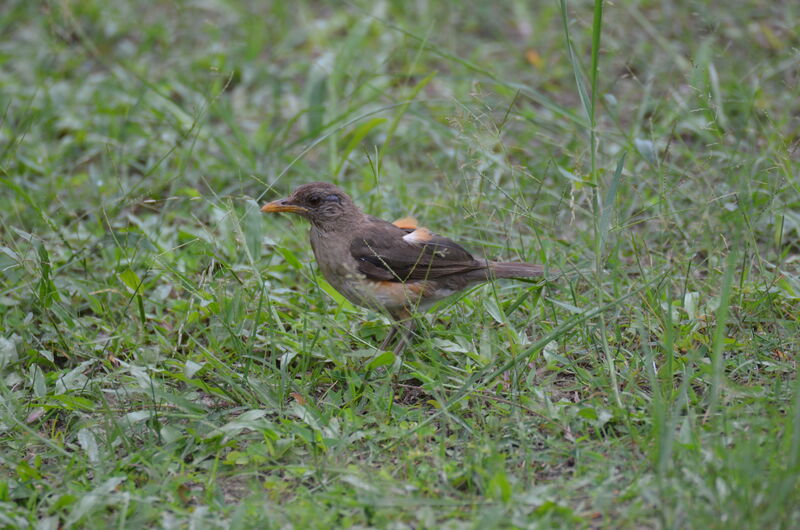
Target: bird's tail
515, 270
494, 270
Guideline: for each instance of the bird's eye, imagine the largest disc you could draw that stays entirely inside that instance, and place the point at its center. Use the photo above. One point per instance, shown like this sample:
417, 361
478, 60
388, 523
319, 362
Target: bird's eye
314, 201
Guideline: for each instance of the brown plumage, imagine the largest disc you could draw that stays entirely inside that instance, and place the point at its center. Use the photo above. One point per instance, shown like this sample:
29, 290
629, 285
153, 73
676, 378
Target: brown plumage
391, 267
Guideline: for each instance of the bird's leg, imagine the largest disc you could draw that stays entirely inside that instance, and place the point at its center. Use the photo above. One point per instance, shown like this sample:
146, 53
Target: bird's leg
404, 323
389, 337
406, 328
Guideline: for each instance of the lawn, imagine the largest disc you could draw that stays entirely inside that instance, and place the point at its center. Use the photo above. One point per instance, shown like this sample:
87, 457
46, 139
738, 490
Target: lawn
170, 357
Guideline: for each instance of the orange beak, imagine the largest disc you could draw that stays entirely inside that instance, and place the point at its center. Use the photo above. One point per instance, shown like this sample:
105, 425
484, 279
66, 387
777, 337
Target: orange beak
282, 205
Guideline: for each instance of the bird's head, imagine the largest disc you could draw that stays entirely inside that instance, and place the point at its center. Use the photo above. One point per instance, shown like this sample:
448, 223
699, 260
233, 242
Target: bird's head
325, 205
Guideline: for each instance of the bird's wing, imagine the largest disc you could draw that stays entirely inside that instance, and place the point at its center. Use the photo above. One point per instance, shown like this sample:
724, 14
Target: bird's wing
391, 252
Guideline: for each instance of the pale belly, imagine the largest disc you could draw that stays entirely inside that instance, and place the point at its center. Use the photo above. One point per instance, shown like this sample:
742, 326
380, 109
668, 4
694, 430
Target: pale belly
380, 296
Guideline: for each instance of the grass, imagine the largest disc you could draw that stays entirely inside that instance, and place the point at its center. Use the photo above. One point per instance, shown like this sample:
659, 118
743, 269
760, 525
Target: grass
170, 357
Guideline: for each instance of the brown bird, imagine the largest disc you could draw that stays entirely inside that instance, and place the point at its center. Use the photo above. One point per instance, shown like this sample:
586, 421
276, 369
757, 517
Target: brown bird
390, 267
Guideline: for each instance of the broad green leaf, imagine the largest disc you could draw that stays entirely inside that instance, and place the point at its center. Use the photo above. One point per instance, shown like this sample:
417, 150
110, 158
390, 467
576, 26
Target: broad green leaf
333, 293
289, 256
316, 105
130, 279
88, 443
494, 310
384, 359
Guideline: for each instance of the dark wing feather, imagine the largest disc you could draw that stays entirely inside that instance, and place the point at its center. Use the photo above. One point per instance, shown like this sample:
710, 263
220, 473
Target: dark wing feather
383, 254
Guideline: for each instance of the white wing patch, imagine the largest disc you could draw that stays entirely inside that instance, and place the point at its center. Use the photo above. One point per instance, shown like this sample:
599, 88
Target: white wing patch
420, 235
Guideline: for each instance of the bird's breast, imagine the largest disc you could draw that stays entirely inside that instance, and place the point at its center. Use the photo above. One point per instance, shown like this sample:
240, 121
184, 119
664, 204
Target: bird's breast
337, 265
